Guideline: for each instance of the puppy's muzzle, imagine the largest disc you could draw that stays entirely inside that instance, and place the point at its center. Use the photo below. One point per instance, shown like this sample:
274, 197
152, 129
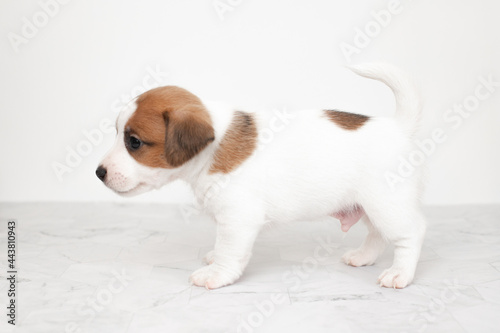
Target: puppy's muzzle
101, 173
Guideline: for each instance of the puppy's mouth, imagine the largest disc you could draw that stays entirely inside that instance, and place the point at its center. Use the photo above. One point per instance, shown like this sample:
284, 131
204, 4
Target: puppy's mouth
130, 191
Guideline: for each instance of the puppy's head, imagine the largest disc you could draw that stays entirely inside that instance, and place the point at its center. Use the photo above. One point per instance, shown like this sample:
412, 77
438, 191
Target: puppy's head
164, 129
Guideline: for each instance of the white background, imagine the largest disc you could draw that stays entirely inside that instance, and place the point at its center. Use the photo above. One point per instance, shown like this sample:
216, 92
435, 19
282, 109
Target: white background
73, 71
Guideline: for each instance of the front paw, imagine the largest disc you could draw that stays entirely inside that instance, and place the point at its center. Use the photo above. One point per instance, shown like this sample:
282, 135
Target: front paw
213, 276
395, 278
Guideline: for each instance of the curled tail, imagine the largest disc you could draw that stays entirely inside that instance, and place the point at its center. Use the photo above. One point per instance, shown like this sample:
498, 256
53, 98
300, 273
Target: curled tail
408, 105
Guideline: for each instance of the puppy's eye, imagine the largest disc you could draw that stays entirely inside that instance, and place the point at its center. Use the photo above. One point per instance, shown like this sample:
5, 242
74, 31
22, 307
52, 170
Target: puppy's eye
134, 143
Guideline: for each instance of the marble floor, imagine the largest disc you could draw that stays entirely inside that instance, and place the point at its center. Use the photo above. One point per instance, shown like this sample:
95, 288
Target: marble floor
125, 268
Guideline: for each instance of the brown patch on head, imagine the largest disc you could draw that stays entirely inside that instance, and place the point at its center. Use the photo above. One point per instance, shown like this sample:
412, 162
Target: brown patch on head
238, 143
346, 120
173, 126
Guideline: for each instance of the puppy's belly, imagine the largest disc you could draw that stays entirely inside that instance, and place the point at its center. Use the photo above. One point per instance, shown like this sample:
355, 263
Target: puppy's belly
349, 217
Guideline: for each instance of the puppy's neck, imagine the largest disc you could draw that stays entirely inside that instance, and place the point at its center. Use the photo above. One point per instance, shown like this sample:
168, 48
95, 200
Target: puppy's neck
193, 170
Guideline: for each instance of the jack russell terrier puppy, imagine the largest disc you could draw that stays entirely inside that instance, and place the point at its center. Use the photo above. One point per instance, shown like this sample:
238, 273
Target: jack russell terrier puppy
326, 163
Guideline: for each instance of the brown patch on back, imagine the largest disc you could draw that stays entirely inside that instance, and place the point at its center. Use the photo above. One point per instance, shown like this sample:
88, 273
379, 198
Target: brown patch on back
238, 143
346, 120
173, 125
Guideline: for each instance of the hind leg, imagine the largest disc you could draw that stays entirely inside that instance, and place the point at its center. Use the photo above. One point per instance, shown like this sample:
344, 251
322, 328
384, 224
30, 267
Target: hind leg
373, 245
400, 221
407, 246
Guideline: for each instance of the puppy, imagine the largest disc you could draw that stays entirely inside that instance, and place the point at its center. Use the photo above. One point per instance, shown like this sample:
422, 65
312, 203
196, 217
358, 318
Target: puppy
325, 162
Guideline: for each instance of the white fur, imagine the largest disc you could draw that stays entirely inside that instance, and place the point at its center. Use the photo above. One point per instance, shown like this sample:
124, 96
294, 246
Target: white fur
312, 168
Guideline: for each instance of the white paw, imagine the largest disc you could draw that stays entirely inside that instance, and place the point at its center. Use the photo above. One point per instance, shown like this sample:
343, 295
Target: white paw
358, 258
213, 277
209, 258
395, 278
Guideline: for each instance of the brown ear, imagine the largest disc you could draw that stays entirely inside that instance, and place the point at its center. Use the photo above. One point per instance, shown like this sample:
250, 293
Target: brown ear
188, 131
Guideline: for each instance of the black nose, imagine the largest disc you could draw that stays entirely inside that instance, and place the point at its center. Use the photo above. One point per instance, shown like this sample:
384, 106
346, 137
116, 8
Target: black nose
101, 172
